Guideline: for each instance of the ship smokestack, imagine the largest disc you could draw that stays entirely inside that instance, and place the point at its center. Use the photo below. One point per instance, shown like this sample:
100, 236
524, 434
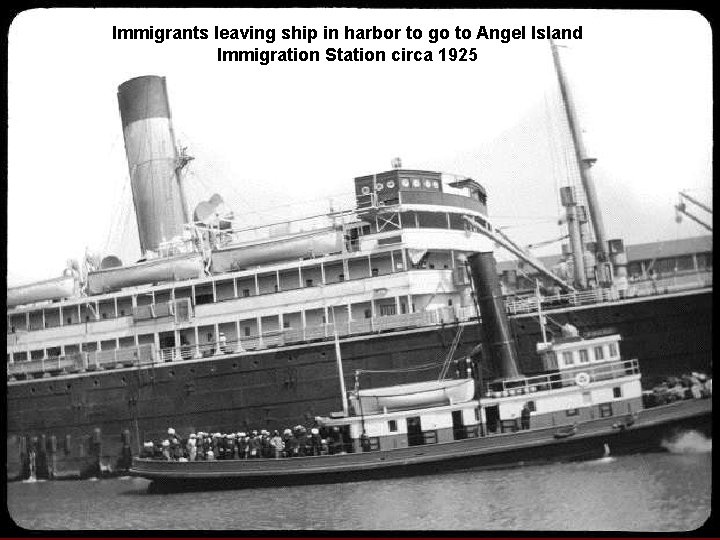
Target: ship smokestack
152, 160
495, 326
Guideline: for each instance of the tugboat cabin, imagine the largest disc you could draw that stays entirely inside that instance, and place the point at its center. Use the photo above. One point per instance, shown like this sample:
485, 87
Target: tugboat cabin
586, 380
411, 427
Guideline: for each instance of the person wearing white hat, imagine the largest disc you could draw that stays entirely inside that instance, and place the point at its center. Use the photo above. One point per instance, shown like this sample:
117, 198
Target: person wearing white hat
277, 444
166, 450
242, 444
147, 451
254, 445
315, 441
192, 448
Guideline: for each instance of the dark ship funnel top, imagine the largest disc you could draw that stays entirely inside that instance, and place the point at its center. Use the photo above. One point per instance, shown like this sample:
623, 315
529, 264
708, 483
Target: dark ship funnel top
143, 97
497, 339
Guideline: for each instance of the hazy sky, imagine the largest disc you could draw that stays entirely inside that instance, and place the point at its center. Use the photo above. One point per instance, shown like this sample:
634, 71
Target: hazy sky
282, 139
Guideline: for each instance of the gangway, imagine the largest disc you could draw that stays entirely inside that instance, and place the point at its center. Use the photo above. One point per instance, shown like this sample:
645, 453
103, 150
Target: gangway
681, 208
501, 239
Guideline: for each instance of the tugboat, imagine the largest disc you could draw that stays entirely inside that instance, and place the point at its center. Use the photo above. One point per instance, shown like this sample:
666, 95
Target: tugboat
589, 399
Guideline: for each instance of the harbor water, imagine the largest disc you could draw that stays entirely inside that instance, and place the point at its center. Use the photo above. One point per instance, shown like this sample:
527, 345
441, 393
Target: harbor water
662, 491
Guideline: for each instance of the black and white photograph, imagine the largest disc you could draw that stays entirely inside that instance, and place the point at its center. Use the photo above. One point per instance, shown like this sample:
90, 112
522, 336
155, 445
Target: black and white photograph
344, 269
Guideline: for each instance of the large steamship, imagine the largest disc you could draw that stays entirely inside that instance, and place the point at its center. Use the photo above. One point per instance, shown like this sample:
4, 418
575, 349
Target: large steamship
222, 328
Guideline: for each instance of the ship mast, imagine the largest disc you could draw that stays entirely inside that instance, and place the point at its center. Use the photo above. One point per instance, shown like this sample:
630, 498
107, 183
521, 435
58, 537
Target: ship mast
585, 164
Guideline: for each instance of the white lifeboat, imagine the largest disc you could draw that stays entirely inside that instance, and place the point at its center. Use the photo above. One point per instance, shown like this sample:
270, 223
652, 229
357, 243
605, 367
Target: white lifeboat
412, 395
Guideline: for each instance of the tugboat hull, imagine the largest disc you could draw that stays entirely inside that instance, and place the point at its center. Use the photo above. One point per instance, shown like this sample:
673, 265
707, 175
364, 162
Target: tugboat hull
646, 432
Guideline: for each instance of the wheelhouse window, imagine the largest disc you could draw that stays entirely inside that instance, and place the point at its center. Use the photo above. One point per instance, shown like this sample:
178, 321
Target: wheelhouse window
568, 358
613, 350
599, 353
617, 392
584, 359
392, 426
572, 412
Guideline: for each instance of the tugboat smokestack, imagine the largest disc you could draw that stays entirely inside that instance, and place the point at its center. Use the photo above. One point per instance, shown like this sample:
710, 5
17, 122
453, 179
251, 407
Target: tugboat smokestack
495, 326
152, 159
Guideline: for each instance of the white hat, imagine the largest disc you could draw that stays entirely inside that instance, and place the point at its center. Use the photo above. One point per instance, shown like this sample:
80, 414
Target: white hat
287, 431
192, 436
166, 443
323, 441
315, 431
241, 434
148, 444
231, 436
171, 431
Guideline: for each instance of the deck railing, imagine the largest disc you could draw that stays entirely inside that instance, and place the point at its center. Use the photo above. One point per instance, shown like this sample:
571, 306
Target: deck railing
529, 385
147, 354
636, 289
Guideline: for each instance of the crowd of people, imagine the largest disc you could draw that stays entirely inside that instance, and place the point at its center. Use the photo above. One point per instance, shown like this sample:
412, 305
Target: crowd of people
692, 386
203, 446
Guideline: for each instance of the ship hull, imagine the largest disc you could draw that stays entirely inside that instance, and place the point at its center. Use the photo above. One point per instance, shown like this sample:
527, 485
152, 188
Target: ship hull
284, 387
591, 439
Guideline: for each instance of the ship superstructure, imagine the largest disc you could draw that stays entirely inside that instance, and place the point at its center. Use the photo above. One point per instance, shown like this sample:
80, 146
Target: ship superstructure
390, 263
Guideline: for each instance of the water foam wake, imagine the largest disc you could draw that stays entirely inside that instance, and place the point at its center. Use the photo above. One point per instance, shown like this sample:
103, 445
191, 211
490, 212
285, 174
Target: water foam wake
688, 442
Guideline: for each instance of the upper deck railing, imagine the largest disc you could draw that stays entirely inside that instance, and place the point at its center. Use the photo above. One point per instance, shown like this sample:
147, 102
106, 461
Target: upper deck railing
147, 354
604, 371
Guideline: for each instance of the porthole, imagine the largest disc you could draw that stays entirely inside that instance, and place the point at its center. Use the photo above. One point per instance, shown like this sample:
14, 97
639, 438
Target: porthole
390, 184
234, 365
255, 363
416, 182
68, 386
365, 190
405, 182
378, 186
96, 382
428, 184
32, 390
436, 185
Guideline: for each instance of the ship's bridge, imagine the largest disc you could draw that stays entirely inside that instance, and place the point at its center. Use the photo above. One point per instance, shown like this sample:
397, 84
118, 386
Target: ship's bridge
411, 187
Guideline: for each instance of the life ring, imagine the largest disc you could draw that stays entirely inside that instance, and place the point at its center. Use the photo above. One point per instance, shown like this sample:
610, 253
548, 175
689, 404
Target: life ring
582, 379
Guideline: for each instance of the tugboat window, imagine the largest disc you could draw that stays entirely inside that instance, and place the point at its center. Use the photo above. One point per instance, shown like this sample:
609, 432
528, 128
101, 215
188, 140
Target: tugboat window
599, 353
572, 412
612, 350
392, 426
605, 410
617, 392
568, 358
584, 359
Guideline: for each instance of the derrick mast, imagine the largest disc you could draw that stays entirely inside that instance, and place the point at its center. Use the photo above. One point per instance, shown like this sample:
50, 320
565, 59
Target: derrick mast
153, 160
603, 268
